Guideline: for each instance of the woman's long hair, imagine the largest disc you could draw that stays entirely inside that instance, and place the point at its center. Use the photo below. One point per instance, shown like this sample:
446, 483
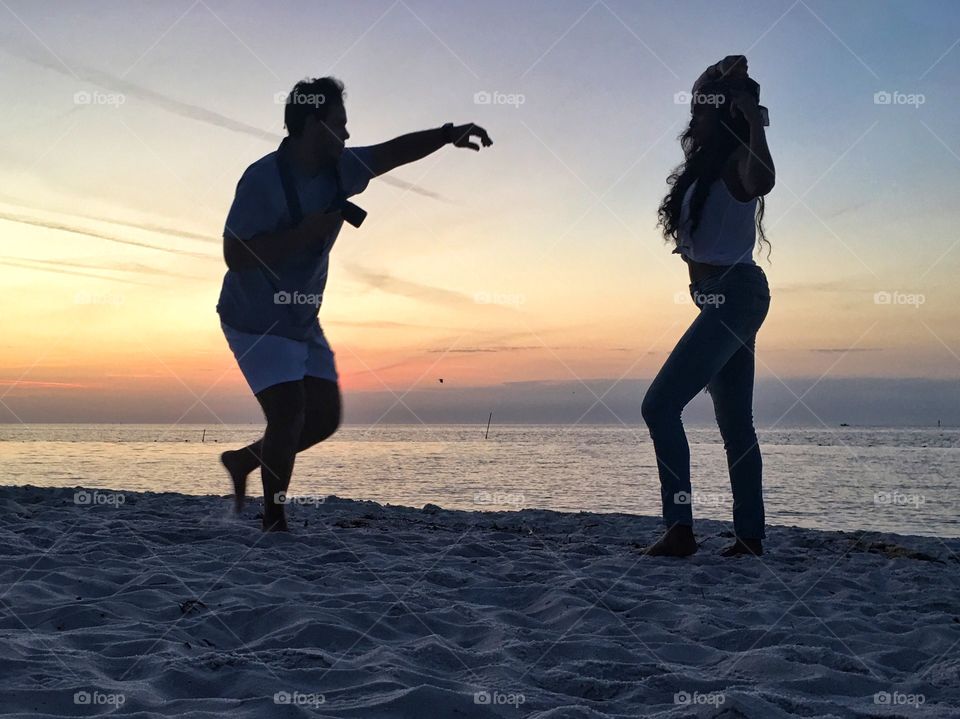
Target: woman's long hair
704, 163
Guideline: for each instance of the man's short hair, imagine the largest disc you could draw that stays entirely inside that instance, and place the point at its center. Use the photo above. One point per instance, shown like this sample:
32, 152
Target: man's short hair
312, 96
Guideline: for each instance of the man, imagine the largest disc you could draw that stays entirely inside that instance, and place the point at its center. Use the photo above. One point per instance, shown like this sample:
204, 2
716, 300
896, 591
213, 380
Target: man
286, 215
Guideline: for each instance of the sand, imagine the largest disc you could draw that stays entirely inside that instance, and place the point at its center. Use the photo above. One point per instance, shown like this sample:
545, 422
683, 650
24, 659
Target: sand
145, 604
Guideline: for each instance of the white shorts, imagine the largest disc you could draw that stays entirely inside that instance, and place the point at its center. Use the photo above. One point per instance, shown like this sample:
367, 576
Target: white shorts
266, 360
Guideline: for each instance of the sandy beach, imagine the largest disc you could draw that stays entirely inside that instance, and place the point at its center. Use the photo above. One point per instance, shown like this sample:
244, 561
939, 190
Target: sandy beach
146, 604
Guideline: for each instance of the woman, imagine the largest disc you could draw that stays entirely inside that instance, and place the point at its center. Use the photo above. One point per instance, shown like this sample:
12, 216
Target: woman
714, 213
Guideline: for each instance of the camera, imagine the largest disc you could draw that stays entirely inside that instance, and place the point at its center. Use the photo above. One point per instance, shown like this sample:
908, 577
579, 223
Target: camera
352, 213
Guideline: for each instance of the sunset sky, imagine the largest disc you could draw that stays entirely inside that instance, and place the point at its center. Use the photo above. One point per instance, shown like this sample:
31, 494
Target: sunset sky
535, 264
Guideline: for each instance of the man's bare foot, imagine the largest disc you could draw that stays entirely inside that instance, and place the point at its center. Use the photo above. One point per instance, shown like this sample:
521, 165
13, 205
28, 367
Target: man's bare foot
275, 524
233, 463
744, 546
679, 541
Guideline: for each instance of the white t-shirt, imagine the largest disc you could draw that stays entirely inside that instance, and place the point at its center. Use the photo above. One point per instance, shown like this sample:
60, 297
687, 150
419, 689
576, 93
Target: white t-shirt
727, 232
286, 300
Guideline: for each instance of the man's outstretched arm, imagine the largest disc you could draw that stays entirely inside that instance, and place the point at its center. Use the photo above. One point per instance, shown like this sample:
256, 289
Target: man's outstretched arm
417, 145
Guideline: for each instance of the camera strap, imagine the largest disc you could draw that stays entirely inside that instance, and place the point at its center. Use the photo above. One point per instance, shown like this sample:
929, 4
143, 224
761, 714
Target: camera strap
289, 187
293, 208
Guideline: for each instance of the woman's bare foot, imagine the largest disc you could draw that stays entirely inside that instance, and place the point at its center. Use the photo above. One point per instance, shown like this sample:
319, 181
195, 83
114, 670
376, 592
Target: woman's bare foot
744, 546
679, 541
232, 461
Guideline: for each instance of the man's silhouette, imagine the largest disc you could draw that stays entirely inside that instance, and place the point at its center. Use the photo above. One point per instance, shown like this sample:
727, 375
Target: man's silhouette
286, 215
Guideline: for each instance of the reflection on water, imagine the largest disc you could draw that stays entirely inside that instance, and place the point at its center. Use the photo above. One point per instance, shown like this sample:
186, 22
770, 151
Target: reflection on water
887, 479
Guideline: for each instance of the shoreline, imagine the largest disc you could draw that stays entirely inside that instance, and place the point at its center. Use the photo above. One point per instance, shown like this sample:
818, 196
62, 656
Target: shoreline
369, 610
254, 503
505, 507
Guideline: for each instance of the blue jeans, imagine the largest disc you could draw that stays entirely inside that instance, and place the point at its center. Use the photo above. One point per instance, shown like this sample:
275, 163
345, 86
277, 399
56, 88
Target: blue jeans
716, 353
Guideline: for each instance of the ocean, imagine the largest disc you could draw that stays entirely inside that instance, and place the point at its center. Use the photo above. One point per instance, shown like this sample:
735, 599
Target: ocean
904, 480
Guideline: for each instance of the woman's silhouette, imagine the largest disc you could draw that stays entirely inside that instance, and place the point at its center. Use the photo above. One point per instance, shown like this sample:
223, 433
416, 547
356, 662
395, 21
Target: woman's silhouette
714, 212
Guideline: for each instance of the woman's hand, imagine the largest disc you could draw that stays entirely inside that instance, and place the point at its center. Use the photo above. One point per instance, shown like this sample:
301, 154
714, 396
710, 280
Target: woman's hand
732, 67
746, 106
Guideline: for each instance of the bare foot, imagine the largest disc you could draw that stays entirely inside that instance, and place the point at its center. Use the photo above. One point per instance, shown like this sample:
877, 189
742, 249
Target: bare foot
232, 462
679, 541
276, 523
752, 547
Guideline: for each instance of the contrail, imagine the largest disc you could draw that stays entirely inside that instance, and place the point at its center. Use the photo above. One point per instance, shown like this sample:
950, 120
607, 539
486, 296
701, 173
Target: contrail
397, 182
61, 271
131, 267
37, 383
149, 227
177, 107
113, 82
91, 233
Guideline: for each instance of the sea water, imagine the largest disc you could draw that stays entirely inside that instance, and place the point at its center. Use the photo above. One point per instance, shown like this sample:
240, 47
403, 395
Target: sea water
904, 480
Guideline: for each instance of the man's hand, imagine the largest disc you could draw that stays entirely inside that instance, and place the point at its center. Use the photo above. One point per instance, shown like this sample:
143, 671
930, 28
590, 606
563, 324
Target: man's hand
461, 135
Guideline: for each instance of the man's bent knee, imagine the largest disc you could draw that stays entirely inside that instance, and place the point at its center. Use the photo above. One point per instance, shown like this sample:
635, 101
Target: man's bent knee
284, 407
321, 424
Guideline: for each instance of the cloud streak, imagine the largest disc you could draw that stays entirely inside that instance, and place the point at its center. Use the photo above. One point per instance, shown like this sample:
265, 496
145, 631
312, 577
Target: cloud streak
845, 350
405, 288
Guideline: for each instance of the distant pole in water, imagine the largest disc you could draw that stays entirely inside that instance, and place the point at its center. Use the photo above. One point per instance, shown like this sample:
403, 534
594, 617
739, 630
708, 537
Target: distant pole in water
488, 425
203, 436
